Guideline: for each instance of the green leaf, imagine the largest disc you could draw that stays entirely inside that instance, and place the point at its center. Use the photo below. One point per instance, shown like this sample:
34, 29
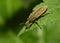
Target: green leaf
47, 32
50, 24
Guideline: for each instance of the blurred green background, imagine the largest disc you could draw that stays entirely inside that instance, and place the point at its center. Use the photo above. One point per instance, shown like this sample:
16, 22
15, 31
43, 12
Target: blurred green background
14, 13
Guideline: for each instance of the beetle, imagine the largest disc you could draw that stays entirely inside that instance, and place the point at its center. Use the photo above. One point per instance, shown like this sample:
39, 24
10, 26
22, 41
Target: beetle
34, 15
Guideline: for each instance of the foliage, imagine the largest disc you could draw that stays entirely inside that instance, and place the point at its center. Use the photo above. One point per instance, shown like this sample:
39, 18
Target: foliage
13, 14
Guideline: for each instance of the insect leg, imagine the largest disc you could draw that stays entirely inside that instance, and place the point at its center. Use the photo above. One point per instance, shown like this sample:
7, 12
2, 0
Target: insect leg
38, 25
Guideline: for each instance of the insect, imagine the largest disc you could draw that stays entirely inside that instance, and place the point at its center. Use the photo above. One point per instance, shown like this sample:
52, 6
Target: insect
34, 15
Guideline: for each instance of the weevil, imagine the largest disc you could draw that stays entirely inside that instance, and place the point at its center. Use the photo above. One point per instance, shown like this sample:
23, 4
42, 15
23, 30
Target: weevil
34, 15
